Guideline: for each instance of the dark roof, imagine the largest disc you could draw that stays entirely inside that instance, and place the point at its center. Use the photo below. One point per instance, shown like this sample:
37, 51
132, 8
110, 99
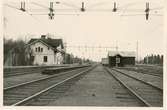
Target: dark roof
122, 53
54, 43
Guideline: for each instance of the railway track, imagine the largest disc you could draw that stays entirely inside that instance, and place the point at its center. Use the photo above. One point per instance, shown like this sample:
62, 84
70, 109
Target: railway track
22, 93
97, 88
144, 71
148, 94
21, 73
55, 91
28, 71
148, 79
25, 71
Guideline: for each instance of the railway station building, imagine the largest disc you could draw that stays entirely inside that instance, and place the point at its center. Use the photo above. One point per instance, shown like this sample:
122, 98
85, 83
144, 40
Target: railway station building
121, 58
45, 51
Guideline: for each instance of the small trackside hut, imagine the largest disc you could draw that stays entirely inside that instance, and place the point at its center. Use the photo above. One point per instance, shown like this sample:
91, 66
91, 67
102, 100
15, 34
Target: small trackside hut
121, 58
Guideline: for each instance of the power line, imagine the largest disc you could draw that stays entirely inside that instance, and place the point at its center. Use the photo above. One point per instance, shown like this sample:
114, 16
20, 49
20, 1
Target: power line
51, 9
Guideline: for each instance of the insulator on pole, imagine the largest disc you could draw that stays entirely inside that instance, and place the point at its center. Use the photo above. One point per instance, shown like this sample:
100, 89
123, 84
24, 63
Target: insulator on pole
115, 7
147, 7
147, 15
51, 6
147, 10
83, 7
51, 13
22, 8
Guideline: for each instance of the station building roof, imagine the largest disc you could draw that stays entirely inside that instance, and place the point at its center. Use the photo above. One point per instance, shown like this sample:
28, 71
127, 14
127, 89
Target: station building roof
54, 43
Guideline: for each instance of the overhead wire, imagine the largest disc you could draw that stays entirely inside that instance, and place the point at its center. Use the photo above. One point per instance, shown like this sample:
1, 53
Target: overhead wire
12, 7
70, 5
40, 5
97, 4
124, 8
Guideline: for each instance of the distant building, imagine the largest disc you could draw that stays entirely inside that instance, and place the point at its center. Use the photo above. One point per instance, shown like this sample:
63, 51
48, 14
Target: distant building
104, 61
68, 58
45, 51
121, 58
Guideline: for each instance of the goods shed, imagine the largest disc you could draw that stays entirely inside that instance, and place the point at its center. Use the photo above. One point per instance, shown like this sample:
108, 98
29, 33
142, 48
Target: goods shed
121, 58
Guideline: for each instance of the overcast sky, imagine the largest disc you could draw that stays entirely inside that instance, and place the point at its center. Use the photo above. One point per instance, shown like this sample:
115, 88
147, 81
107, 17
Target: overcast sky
92, 28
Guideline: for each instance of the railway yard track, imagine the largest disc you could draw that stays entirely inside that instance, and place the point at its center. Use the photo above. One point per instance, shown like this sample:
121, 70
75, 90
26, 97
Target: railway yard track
23, 71
148, 93
17, 79
145, 70
128, 89
20, 93
153, 80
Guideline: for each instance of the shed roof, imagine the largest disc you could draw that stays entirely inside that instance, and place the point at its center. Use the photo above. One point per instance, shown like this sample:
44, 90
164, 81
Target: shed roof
122, 53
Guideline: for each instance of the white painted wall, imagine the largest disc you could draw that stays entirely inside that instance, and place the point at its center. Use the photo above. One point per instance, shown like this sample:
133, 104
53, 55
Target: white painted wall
39, 56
